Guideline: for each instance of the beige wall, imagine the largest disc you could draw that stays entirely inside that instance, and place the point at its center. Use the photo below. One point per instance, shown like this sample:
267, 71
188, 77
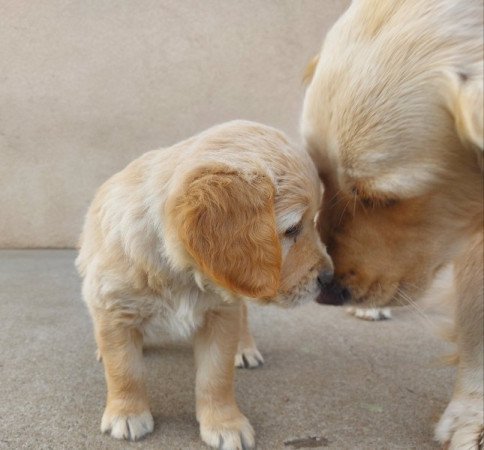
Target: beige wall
88, 85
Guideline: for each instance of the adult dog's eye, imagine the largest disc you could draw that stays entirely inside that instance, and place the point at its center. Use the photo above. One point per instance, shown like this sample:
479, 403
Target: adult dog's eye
293, 231
390, 202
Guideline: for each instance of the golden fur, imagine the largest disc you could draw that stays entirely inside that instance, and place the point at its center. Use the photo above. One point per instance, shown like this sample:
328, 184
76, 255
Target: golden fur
393, 119
174, 244
249, 261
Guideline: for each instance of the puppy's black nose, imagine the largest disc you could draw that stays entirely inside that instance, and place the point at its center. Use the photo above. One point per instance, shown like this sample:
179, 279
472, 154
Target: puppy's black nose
334, 293
325, 277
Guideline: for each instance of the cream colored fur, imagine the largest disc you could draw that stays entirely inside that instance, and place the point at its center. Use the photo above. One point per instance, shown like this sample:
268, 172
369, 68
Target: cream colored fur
176, 242
393, 118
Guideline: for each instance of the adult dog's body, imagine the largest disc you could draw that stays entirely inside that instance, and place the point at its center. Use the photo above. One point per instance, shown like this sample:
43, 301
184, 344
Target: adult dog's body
393, 120
175, 242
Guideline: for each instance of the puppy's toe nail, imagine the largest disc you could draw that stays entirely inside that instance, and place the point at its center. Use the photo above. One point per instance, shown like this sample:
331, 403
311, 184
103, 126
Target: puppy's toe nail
249, 358
246, 363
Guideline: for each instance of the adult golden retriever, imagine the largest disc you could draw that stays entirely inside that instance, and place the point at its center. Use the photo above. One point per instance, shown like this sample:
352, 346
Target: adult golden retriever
393, 118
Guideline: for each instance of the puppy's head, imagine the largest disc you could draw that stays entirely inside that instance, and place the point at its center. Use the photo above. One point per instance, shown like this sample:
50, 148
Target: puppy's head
241, 233
395, 134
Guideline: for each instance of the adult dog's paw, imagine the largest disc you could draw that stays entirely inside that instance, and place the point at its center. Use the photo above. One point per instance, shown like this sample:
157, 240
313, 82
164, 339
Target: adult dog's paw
248, 358
236, 434
130, 427
461, 427
371, 314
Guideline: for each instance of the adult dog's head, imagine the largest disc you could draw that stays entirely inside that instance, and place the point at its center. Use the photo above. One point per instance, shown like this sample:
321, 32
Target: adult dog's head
241, 216
393, 120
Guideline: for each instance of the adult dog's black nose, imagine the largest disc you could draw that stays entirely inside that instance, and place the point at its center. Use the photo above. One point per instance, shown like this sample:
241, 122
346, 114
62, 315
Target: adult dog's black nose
333, 293
325, 277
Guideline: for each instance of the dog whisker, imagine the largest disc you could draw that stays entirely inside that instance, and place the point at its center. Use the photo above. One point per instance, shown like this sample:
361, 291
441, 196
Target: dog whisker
406, 300
343, 212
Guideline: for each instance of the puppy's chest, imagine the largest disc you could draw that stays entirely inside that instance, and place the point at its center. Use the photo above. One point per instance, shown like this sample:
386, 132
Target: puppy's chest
177, 313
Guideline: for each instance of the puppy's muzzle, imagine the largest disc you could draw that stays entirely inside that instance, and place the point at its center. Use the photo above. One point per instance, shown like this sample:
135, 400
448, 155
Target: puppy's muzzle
332, 293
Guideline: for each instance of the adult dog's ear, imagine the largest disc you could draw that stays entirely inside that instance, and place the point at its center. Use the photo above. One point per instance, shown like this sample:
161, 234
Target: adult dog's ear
226, 222
466, 102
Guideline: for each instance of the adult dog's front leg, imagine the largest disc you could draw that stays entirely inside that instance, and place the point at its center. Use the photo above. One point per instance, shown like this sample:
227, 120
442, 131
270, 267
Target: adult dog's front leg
222, 425
127, 414
462, 424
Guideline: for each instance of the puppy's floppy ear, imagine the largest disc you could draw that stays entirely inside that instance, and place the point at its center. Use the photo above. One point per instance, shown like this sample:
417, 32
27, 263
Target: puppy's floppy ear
226, 222
310, 69
466, 102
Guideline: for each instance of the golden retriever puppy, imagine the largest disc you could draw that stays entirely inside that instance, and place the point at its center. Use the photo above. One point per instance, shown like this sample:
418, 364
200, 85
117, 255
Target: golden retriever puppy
393, 119
174, 243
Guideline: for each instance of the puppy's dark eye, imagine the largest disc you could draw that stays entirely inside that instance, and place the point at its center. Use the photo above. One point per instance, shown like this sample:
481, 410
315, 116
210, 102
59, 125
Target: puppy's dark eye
293, 231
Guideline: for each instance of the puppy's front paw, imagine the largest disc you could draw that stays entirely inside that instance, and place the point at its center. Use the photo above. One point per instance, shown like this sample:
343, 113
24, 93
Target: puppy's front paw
371, 314
129, 427
248, 358
461, 427
236, 434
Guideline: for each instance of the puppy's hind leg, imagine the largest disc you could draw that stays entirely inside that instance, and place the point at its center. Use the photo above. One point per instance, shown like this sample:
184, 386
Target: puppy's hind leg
222, 425
248, 356
127, 414
462, 424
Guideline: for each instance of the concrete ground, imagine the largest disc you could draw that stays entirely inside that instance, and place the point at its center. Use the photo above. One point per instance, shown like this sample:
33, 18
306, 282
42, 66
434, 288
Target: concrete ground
329, 379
